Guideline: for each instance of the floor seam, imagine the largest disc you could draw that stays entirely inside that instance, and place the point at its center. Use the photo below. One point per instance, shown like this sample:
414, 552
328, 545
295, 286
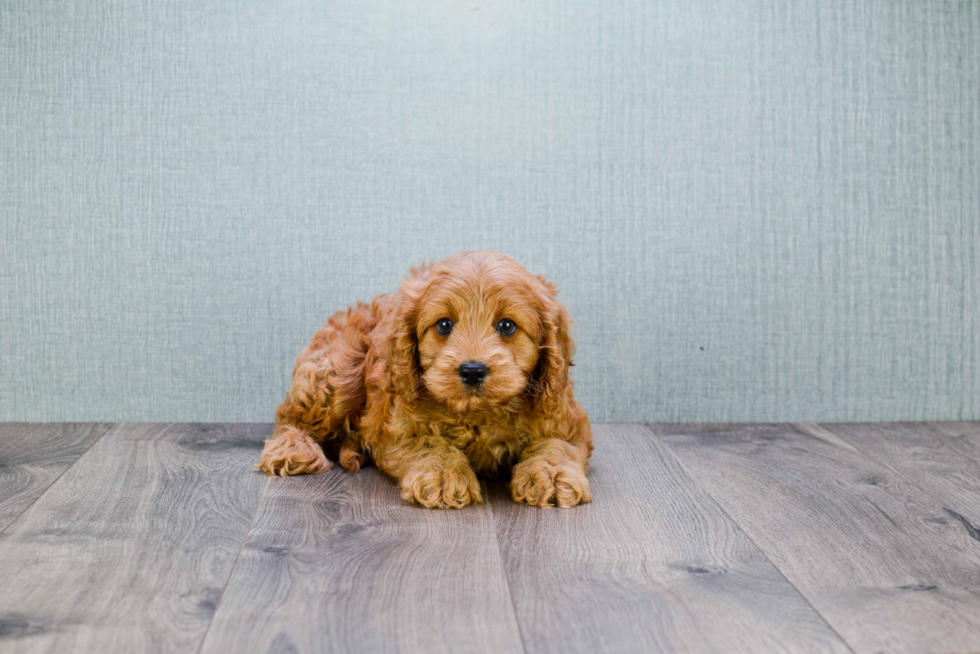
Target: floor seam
231, 572
735, 522
883, 463
111, 426
503, 568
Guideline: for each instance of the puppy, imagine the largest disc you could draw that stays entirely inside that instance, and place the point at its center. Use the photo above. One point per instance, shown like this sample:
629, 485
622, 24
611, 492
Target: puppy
463, 371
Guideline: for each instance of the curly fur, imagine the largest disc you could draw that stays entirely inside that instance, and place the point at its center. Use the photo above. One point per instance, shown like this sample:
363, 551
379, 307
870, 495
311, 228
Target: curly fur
379, 383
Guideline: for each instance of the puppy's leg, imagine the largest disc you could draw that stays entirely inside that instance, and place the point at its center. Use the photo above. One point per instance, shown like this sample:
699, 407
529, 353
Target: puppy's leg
552, 472
324, 399
431, 472
292, 451
303, 420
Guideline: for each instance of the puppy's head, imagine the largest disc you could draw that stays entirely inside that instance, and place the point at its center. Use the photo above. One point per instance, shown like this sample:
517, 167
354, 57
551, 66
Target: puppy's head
476, 331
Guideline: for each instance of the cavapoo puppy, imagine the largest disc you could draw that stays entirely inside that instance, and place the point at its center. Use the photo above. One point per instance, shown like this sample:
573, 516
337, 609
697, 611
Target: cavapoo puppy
463, 371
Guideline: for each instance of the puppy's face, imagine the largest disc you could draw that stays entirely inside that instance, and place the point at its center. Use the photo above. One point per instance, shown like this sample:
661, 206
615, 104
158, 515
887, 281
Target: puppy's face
478, 337
480, 324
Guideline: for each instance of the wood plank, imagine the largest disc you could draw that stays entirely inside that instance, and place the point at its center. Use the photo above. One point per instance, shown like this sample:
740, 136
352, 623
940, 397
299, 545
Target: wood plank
129, 550
33, 456
970, 431
339, 563
857, 539
652, 564
943, 458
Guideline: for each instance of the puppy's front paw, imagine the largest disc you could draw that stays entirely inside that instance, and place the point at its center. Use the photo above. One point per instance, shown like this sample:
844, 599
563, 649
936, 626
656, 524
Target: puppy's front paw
539, 483
444, 487
292, 452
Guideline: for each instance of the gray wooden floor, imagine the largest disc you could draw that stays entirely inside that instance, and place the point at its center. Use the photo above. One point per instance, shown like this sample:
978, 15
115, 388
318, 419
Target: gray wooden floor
701, 538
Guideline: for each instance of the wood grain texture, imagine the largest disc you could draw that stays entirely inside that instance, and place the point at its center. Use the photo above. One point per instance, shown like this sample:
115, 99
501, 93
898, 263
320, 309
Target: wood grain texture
942, 458
129, 550
651, 565
339, 563
33, 456
871, 549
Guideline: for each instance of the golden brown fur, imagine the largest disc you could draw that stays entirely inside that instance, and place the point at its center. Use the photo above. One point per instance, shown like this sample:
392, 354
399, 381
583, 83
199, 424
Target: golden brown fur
380, 382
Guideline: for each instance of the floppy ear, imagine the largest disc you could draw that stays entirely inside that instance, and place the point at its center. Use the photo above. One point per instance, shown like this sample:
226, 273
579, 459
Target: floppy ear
404, 371
557, 349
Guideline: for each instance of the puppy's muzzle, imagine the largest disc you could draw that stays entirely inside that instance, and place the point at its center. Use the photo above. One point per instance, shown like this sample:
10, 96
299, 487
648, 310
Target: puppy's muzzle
472, 373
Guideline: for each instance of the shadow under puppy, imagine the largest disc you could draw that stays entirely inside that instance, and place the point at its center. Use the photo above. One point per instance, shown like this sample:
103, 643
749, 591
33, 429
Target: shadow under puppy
463, 371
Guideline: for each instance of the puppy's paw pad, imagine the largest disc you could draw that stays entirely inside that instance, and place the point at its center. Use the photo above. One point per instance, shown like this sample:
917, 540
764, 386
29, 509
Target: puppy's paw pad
442, 488
285, 456
539, 483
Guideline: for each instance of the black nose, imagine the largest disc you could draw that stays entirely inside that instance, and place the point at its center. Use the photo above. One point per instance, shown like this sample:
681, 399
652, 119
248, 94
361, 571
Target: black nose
472, 373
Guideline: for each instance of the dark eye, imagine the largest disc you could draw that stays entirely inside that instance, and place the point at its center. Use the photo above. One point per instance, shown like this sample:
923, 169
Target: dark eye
444, 326
506, 327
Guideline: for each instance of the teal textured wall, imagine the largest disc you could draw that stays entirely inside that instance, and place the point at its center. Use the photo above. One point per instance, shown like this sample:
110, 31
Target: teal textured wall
756, 210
